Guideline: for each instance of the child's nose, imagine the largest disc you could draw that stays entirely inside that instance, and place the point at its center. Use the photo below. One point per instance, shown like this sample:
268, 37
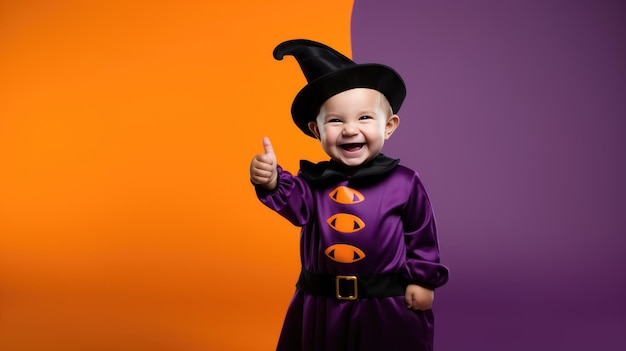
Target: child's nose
350, 129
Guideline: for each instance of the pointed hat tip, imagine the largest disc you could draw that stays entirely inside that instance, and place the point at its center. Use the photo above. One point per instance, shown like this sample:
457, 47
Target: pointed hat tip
290, 47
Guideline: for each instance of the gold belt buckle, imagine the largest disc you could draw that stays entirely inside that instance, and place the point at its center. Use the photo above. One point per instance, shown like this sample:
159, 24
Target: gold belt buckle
338, 293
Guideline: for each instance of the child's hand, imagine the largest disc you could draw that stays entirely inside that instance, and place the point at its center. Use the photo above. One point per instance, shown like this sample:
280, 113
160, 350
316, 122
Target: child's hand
263, 167
418, 298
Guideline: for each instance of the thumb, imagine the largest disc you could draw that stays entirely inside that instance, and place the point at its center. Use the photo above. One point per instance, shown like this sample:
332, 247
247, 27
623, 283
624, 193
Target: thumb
269, 150
408, 298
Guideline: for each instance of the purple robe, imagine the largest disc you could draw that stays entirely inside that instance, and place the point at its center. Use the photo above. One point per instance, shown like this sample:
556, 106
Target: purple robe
376, 221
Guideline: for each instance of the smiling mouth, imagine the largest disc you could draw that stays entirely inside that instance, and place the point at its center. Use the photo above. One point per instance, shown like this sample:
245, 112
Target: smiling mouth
352, 146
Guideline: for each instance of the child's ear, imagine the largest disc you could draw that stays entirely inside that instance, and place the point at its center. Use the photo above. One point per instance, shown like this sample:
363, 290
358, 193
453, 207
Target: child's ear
392, 124
313, 128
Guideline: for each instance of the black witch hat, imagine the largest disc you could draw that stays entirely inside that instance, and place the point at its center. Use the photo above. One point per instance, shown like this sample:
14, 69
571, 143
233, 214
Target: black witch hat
328, 73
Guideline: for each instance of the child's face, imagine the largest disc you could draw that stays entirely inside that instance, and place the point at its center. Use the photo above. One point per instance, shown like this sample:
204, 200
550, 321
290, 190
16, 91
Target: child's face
352, 126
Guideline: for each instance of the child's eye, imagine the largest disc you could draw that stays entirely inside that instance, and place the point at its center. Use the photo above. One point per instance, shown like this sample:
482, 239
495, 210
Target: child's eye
365, 117
334, 120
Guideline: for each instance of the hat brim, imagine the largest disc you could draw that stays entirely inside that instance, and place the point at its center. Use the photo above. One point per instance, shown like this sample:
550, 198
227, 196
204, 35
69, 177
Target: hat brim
379, 77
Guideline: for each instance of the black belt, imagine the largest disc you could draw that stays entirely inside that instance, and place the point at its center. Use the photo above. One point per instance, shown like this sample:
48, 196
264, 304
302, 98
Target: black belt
350, 287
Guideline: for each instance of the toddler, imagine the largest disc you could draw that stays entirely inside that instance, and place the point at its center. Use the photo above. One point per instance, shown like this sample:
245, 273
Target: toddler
368, 243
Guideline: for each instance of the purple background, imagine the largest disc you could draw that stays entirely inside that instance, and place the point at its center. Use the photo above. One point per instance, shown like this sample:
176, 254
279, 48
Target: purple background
515, 121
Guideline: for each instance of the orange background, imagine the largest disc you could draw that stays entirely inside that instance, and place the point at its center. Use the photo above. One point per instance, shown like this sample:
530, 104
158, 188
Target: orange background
127, 220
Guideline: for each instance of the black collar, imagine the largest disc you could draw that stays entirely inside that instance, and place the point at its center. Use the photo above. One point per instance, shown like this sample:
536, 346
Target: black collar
325, 170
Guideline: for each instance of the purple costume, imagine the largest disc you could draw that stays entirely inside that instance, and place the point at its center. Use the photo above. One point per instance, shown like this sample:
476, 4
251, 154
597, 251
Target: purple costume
377, 221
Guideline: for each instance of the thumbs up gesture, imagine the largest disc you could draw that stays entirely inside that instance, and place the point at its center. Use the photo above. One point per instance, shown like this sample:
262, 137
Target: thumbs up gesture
263, 167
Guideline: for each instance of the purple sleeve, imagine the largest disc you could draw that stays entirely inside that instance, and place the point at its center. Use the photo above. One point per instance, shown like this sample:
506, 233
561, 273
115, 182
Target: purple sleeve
422, 265
291, 198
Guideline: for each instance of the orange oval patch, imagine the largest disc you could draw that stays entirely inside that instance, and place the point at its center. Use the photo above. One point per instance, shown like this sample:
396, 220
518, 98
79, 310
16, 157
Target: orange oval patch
344, 253
345, 223
344, 195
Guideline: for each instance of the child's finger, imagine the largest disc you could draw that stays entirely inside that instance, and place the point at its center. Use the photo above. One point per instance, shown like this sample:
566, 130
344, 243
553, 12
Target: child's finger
408, 299
267, 145
412, 305
264, 161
